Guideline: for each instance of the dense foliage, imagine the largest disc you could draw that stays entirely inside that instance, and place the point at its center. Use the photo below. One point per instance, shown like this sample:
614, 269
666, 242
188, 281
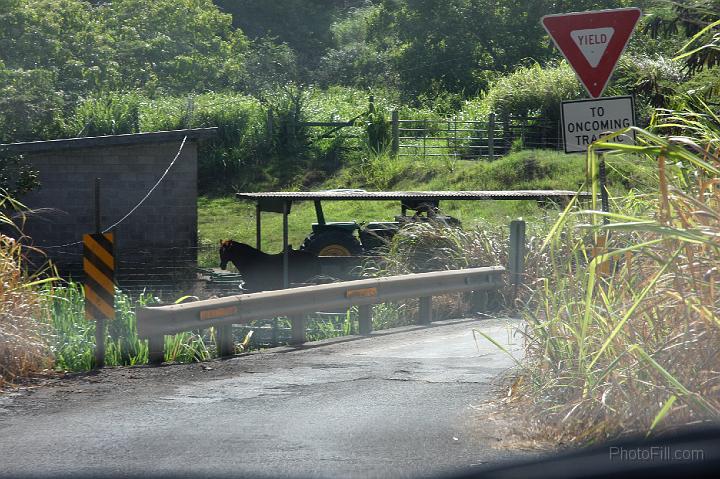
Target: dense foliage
78, 67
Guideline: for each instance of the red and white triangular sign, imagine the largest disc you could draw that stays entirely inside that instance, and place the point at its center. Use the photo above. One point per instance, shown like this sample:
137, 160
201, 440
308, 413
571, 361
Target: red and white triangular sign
592, 42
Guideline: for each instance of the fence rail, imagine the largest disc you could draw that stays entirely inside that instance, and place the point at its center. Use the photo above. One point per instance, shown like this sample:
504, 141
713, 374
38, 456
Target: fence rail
156, 322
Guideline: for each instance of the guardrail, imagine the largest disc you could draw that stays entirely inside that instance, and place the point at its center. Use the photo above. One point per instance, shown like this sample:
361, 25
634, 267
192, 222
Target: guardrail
155, 322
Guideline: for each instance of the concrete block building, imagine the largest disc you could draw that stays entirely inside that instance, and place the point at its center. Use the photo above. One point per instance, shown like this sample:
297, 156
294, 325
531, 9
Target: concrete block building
158, 241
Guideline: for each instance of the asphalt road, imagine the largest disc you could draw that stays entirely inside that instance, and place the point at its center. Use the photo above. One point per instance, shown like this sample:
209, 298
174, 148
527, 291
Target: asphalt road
396, 404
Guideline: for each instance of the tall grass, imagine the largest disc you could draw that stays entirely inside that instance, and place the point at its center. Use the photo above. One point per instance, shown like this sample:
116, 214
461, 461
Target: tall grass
73, 337
626, 341
247, 154
435, 246
24, 348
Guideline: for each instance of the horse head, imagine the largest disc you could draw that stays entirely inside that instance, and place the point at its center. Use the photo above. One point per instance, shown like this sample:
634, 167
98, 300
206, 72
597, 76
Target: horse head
226, 247
236, 253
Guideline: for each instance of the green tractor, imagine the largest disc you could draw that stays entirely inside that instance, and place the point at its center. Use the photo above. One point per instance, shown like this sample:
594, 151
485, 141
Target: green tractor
349, 238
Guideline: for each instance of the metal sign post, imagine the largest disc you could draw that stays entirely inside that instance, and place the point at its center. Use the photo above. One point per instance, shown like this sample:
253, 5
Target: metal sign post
99, 286
592, 43
604, 198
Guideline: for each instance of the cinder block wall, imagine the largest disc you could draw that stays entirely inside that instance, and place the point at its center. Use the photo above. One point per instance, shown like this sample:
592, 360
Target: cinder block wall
157, 243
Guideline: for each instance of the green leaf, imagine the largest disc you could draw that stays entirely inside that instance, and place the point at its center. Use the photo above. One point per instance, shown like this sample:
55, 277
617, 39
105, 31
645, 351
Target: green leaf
186, 298
664, 410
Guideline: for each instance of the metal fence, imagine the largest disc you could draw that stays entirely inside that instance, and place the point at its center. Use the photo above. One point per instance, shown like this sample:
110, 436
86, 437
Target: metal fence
487, 139
166, 272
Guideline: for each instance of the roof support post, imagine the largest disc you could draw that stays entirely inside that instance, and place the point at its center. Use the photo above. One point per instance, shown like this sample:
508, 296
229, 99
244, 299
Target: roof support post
258, 227
319, 212
286, 253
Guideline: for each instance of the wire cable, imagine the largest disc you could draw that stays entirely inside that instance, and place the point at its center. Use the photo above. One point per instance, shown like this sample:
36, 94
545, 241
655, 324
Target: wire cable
114, 225
140, 203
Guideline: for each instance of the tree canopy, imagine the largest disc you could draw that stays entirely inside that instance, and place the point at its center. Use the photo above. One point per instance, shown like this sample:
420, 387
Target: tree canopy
56, 54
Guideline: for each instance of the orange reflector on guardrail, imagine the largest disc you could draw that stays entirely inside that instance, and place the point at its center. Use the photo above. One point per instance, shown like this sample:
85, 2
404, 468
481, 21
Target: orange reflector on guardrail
218, 313
361, 293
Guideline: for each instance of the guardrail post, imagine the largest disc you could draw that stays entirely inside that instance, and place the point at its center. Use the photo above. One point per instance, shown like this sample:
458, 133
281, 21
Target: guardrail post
395, 133
480, 301
365, 319
425, 310
225, 342
298, 329
156, 349
516, 257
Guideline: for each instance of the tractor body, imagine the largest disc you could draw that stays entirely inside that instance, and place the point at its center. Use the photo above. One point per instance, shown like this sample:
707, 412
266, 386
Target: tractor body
349, 238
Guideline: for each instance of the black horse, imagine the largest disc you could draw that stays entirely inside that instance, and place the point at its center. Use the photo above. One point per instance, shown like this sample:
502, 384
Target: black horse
264, 272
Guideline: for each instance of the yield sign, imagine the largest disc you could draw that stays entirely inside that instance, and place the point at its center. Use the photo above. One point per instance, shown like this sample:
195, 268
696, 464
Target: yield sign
592, 42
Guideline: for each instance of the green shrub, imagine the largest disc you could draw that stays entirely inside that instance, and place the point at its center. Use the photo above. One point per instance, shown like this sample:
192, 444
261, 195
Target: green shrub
30, 106
109, 114
704, 85
539, 90
241, 144
528, 91
652, 80
246, 155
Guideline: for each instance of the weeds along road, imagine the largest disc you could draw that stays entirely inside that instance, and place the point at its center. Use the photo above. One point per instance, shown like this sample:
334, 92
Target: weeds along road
397, 404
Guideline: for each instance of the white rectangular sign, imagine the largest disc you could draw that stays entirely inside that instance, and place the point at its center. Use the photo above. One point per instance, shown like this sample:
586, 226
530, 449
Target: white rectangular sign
584, 121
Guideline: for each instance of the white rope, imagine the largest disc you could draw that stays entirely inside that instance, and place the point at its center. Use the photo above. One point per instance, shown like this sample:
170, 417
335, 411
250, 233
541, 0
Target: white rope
150, 192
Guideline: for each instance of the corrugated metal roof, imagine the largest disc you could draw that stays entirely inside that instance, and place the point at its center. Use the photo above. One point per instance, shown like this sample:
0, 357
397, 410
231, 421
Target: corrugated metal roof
361, 195
110, 140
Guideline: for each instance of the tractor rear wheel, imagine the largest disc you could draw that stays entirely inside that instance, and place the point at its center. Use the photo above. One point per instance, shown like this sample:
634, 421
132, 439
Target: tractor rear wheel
332, 243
